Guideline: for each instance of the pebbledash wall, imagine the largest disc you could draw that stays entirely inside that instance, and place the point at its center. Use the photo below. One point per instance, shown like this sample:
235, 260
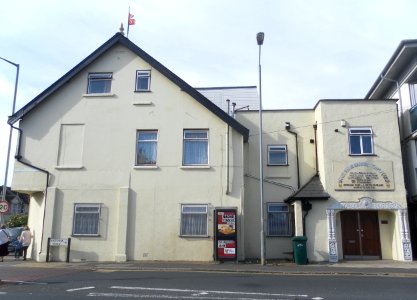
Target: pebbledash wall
87, 144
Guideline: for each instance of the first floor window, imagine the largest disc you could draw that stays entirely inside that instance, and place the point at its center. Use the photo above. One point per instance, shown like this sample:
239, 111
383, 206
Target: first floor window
279, 220
194, 220
146, 147
143, 81
360, 141
86, 219
277, 155
195, 147
99, 83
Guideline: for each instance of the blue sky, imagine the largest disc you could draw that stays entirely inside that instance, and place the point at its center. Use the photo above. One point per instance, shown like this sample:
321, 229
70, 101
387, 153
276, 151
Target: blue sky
322, 49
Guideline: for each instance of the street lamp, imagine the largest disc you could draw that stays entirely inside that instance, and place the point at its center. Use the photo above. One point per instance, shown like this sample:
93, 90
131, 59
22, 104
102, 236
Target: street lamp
10, 134
260, 41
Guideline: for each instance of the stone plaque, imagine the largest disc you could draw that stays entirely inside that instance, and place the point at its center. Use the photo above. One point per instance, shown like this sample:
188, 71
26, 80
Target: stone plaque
363, 176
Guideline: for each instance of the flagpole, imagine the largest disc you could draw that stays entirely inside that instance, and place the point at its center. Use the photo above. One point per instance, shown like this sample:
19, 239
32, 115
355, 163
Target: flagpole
128, 17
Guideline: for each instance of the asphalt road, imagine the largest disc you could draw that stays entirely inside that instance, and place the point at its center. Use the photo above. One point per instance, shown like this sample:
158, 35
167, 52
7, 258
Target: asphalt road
56, 283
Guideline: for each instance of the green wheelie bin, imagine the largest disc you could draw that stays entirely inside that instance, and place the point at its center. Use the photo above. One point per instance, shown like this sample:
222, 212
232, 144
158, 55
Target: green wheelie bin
299, 244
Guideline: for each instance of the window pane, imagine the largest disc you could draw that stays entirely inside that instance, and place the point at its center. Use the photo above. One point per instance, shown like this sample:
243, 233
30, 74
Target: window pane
277, 158
86, 219
355, 144
277, 155
360, 141
195, 149
367, 144
277, 207
143, 84
146, 148
279, 224
194, 209
99, 83
147, 136
361, 131
194, 220
195, 153
195, 135
143, 79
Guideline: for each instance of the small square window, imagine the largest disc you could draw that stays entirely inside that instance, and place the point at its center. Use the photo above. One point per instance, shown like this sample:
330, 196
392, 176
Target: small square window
277, 155
280, 220
194, 219
360, 141
143, 81
99, 83
86, 219
146, 147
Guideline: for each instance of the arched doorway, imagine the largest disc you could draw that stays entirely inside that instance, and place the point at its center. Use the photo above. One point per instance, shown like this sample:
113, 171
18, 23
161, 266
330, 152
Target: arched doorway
369, 205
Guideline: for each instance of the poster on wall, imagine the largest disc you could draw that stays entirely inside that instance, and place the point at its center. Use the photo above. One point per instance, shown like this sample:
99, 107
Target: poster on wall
225, 243
226, 223
226, 249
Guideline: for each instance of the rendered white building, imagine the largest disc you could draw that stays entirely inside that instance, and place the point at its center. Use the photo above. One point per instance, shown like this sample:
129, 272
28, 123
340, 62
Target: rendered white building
131, 162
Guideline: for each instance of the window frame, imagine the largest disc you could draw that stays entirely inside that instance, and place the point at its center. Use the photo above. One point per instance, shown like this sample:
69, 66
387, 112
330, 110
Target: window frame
96, 77
290, 224
146, 141
145, 74
270, 151
413, 93
184, 141
89, 205
192, 234
361, 140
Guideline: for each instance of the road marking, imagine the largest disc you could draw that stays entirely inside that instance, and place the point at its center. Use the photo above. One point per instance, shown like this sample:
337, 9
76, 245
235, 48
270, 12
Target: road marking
205, 291
80, 289
116, 295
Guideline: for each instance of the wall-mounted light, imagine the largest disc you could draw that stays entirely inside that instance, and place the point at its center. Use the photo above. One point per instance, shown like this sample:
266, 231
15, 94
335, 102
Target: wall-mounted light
287, 125
343, 123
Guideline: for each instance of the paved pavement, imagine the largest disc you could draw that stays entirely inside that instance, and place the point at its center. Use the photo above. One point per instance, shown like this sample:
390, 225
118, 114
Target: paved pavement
363, 268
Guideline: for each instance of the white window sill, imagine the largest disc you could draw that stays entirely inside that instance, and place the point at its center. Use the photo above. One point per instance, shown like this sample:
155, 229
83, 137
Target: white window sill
99, 95
145, 167
142, 102
195, 167
69, 167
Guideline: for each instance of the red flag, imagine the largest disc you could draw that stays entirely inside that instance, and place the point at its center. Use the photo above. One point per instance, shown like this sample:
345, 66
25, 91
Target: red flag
132, 21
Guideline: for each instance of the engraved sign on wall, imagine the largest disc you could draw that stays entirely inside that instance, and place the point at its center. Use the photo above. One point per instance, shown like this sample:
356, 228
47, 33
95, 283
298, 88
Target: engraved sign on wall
363, 176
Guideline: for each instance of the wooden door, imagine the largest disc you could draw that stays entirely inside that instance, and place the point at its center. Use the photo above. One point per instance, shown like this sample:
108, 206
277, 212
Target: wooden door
360, 235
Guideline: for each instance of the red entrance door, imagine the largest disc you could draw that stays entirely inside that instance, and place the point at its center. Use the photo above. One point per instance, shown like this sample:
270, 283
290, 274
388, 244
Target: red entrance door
360, 235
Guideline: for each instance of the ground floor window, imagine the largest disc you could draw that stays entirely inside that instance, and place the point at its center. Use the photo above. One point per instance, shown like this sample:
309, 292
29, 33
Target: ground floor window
194, 219
280, 220
86, 219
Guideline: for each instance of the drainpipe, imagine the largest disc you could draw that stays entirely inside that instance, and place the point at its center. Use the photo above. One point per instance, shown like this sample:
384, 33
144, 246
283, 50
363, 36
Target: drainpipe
306, 207
287, 127
315, 148
227, 151
19, 158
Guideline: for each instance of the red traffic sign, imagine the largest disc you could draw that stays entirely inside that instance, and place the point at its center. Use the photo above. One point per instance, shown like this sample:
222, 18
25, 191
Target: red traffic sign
4, 206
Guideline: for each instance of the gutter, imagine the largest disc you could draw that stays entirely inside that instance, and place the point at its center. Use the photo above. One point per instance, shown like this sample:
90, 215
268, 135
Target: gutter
287, 127
315, 148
